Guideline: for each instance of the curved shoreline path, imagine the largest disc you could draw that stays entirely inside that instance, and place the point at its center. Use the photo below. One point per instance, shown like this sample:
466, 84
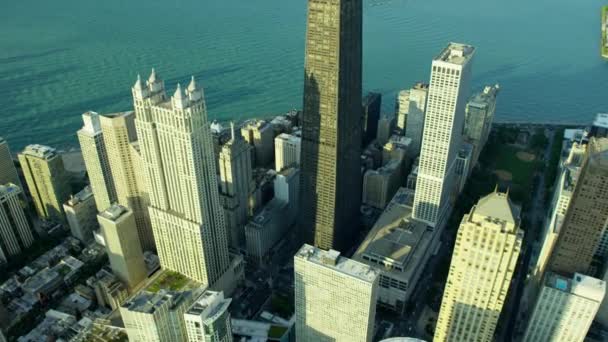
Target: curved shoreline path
59, 59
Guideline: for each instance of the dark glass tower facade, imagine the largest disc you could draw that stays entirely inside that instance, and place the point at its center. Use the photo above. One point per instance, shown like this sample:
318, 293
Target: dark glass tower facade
331, 124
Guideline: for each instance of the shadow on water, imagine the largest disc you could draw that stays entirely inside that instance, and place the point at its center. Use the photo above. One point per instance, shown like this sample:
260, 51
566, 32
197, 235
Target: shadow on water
28, 56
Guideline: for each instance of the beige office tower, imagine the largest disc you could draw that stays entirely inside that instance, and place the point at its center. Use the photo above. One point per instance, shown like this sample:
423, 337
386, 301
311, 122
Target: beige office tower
443, 122
565, 308
15, 231
487, 247
96, 162
236, 184
335, 297
287, 151
260, 135
157, 316
478, 119
208, 319
179, 169
587, 213
118, 135
47, 180
8, 172
410, 114
122, 243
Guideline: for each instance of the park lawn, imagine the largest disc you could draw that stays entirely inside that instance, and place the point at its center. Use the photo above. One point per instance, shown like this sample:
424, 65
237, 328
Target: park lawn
522, 171
170, 281
604, 34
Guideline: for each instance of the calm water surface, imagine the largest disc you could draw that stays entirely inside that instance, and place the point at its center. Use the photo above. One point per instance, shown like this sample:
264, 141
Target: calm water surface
61, 58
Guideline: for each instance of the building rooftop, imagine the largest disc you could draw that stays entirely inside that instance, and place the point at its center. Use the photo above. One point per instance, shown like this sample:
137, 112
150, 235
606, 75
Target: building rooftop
209, 305
257, 331
601, 120
288, 137
498, 206
456, 53
397, 241
40, 151
169, 280
8, 189
114, 213
80, 197
332, 259
579, 285
268, 212
149, 302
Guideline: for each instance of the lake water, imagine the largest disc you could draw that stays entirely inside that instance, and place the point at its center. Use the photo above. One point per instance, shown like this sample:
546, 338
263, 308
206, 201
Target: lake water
63, 57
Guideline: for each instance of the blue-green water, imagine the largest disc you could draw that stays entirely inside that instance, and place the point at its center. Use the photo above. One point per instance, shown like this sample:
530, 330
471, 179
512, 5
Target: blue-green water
63, 57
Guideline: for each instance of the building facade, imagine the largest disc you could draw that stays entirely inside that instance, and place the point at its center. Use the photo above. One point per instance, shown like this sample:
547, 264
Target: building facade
122, 244
479, 116
15, 229
448, 91
8, 172
118, 135
81, 214
96, 162
180, 171
411, 105
46, 179
260, 135
328, 285
331, 125
488, 245
287, 151
565, 308
587, 213
236, 185
208, 318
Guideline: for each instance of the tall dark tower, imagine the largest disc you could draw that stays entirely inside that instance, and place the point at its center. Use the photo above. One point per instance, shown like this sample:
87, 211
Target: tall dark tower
331, 124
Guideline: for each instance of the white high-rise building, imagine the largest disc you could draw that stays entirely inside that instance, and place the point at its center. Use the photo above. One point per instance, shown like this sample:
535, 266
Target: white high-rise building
8, 172
443, 124
335, 297
208, 319
96, 162
236, 185
484, 260
122, 244
410, 114
565, 308
287, 151
118, 136
15, 231
180, 172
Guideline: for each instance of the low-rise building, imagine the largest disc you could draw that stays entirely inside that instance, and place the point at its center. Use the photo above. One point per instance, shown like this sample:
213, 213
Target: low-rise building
399, 247
266, 229
255, 331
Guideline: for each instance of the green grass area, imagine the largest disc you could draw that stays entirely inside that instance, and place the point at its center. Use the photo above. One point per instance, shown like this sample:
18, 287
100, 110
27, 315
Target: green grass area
604, 33
170, 281
507, 160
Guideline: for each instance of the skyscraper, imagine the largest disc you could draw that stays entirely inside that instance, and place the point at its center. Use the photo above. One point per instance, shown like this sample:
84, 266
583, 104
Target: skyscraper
15, 231
487, 247
287, 149
478, 119
8, 172
587, 213
118, 134
412, 106
96, 162
335, 297
331, 124
122, 244
447, 95
208, 319
372, 103
236, 185
47, 180
180, 172
565, 308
